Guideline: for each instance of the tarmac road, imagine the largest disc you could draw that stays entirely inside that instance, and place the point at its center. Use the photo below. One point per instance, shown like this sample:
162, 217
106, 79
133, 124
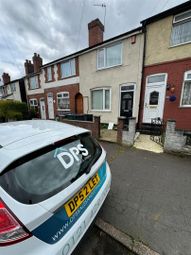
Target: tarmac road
150, 198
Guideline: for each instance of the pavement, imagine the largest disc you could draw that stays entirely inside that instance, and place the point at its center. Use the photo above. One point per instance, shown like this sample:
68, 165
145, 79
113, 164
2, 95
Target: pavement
97, 242
150, 198
144, 142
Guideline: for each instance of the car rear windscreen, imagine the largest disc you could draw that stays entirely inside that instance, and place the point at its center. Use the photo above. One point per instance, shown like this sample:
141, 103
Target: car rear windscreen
47, 171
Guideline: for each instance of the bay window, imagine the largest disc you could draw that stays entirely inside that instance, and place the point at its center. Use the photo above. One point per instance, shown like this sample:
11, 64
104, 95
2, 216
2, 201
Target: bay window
101, 99
186, 90
63, 101
109, 56
181, 30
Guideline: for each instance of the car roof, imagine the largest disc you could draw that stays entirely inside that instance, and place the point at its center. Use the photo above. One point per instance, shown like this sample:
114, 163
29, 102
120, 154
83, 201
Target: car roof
22, 137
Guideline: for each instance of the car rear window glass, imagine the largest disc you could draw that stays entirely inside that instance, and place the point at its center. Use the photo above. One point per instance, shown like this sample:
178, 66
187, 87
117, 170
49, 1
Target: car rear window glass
45, 172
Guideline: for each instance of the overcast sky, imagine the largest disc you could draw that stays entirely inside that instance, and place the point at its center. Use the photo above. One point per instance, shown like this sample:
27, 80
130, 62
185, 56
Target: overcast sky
54, 28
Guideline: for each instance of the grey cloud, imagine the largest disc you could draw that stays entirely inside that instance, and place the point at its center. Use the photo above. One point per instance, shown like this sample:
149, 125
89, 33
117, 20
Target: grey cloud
55, 28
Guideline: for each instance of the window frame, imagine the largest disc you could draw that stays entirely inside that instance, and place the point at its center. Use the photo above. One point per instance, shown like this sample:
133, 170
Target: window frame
13, 87
104, 49
68, 97
33, 105
103, 89
182, 90
71, 74
37, 82
175, 23
49, 68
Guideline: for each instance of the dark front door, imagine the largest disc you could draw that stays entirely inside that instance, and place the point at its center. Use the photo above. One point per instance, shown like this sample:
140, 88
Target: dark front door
126, 104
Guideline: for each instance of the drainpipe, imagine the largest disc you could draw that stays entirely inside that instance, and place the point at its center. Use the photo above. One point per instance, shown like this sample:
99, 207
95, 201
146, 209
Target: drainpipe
142, 76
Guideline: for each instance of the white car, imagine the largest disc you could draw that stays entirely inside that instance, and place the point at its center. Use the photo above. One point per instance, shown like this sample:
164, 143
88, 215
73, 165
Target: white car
53, 180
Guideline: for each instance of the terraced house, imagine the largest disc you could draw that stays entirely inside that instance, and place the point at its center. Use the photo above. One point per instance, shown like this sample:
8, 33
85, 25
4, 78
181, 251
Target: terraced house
103, 79
110, 73
14, 89
52, 89
166, 88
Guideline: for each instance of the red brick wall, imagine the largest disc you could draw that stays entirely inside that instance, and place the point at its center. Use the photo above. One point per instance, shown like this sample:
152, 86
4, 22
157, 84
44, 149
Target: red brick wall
96, 30
35, 96
72, 89
93, 126
172, 110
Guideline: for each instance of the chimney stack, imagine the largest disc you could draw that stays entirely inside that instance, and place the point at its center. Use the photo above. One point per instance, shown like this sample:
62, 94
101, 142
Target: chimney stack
37, 62
29, 68
96, 29
6, 78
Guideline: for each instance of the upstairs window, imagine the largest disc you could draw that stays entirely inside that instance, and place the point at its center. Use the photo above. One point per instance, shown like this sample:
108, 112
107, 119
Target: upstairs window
101, 99
68, 68
186, 90
63, 101
181, 30
109, 56
13, 87
49, 73
33, 81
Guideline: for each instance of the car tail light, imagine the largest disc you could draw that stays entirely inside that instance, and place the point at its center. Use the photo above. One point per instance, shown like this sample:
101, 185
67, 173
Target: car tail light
11, 230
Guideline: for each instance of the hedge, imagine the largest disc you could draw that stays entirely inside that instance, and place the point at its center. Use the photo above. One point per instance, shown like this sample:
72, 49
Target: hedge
13, 110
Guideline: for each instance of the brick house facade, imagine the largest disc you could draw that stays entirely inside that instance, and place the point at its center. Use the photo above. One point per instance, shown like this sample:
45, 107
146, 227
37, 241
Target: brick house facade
172, 109
166, 80
52, 90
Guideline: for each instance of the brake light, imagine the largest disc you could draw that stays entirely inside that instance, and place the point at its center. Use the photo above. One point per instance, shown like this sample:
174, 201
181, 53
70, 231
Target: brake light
11, 230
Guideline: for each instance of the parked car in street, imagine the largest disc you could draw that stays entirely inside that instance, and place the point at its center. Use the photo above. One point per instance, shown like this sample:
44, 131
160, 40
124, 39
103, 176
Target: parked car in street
54, 178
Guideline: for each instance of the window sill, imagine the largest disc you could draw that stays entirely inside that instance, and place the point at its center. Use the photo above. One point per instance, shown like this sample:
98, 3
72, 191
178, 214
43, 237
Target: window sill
100, 110
109, 67
68, 77
34, 89
63, 110
185, 106
180, 44
49, 81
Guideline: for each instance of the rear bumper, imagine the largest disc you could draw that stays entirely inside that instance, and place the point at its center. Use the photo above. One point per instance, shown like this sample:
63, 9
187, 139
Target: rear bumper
70, 240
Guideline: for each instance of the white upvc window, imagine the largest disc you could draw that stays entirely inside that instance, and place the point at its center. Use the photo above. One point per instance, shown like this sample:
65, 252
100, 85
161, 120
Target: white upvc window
63, 101
186, 90
68, 68
101, 99
33, 81
33, 102
13, 87
109, 56
49, 73
181, 29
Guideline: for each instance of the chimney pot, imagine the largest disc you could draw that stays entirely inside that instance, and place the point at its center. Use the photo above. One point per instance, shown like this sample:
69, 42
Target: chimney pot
6, 78
29, 68
37, 62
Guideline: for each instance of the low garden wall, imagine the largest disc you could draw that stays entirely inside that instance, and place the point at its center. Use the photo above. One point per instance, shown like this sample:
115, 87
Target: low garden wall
93, 126
175, 140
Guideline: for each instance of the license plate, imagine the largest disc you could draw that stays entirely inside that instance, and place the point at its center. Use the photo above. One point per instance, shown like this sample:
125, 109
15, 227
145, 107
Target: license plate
74, 203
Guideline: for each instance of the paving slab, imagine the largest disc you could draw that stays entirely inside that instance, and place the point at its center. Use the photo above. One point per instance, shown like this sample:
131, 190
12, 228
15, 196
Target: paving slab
144, 142
150, 198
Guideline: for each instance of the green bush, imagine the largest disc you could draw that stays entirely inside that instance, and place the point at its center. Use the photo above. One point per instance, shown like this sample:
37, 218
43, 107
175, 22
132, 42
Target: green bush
14, 110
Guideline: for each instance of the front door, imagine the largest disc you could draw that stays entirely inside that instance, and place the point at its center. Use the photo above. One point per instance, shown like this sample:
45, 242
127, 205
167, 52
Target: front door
50, 100
79, 104
154, 98
42, 109
126, 104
